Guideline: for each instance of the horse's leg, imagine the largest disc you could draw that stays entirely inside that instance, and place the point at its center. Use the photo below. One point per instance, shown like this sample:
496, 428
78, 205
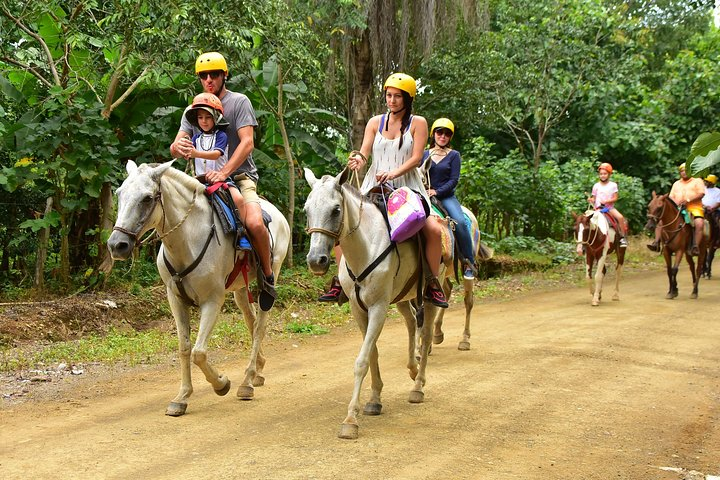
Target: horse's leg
672, 269
469, 301
589, 260
417, 395
181, 313
618, 272
208, 317
696, 272
371, 324
438, 335
599, 275
256, 327
416, 340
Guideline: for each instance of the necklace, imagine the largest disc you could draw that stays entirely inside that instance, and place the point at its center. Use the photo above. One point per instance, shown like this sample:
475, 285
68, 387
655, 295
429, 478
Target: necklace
206, 141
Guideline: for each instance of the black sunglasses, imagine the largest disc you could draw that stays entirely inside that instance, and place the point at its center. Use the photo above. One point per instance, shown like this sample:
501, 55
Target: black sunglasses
215, 74
444, 131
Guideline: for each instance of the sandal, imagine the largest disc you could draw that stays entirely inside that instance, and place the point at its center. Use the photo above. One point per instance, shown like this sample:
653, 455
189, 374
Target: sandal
267, 295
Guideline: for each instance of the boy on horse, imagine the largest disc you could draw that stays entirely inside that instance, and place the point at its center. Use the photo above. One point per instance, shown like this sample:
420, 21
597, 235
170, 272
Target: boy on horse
212, 71
603, 197
687, 193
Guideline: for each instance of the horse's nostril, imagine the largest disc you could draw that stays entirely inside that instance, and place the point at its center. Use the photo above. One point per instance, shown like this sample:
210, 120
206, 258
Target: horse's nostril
323, 260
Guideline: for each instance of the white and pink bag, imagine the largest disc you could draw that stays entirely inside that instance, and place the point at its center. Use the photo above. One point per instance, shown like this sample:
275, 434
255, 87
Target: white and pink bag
406, 214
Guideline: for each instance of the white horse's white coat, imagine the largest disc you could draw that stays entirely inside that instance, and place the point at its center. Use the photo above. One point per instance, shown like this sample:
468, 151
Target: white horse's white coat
165, 199
336, 211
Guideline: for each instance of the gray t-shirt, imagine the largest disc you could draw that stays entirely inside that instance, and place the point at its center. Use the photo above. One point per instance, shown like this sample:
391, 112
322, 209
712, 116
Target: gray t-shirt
238, 111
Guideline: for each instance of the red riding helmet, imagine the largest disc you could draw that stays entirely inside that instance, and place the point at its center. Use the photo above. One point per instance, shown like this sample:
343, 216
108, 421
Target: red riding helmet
606, 166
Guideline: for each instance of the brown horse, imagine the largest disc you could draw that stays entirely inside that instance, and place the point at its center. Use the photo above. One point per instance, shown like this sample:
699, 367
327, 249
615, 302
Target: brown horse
675, 238
713, 241
594, 234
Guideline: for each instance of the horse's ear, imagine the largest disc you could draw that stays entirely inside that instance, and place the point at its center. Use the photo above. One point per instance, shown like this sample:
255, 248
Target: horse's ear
654, 194
130, 167
158, 171
574, 215
344, 176
310, 177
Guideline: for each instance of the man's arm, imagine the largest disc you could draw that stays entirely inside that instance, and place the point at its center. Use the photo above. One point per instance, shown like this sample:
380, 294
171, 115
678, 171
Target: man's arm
241, 153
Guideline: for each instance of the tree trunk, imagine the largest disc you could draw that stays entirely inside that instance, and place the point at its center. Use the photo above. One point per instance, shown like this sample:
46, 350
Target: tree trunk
106, 225
39, 282
290, 162
361, 64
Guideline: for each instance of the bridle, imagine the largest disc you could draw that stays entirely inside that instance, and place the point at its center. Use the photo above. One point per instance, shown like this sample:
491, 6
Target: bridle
590, 240
337, 235
157, 198
658, 218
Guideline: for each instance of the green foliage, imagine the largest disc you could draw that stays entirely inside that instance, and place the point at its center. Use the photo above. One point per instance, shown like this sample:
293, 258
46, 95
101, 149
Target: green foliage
306, 328
519, 247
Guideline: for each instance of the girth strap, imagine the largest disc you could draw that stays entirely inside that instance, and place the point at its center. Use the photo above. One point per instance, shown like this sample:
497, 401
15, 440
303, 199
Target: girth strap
367, 272
178, 277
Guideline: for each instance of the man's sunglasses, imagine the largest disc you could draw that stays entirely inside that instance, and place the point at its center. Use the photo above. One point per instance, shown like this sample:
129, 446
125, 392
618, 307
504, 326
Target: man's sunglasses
444, 131
215, 74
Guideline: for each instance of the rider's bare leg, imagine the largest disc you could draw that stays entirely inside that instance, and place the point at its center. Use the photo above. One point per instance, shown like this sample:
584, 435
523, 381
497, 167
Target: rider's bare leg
699, 227
252, 218
623, 226
433, 254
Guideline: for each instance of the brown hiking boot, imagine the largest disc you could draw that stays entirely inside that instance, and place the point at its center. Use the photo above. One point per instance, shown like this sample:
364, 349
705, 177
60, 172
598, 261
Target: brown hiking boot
654, 246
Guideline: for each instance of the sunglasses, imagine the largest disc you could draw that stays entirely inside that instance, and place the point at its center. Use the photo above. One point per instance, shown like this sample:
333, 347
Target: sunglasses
443, 131
215, 74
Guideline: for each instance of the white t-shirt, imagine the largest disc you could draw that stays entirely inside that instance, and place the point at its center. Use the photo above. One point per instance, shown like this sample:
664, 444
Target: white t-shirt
603, 192
712, 197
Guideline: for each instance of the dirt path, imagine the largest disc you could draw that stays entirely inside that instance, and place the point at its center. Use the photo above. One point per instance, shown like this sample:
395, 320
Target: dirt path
551, 389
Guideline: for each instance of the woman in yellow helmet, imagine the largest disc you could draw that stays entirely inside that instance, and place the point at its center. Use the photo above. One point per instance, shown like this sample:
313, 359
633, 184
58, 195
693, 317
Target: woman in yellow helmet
396, 140
444, 175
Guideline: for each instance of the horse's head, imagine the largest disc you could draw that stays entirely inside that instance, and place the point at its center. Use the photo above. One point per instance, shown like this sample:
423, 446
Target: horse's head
138, 197
655, 210
325, 212
582, 225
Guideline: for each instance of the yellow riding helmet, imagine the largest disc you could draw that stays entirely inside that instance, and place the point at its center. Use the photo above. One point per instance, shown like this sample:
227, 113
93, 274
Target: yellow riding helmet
442, 123
712, 178
681, 167
210, 61
403, 82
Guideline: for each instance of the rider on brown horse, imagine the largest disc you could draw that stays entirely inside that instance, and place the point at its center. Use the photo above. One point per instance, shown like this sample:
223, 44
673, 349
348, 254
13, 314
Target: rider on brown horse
688, 193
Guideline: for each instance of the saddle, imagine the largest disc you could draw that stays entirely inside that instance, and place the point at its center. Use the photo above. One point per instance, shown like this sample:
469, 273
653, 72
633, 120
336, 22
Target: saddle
223, 204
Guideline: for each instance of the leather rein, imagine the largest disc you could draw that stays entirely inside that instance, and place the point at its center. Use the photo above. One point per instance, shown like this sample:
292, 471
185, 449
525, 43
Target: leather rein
176, 276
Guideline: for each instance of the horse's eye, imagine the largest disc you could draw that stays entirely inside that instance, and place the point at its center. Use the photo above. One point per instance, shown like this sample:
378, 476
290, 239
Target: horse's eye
336, 211
147, 199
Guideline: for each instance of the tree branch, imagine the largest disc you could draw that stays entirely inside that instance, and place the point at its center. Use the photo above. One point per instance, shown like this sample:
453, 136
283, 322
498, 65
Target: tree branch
39, 39
28, 68
107, 111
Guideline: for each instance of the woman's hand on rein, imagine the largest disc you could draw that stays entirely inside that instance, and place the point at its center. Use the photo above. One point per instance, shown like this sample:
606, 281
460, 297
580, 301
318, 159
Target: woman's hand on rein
355, 161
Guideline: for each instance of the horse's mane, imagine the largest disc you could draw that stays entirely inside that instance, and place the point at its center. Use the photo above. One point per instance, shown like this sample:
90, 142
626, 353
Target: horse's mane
191, 183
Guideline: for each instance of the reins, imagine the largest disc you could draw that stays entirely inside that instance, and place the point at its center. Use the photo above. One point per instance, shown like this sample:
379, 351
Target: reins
665, 226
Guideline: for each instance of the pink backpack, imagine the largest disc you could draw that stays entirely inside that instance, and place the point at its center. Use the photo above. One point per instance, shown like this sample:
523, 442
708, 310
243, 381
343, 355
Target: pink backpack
406, 214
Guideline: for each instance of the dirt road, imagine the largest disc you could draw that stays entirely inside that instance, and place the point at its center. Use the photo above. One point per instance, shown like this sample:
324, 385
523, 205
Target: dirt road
551, 389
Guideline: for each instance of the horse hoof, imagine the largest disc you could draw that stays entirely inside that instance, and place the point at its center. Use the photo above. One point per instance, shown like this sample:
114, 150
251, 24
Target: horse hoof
348, 431
438, 339
224, 391
416, 397
176, 409
616, 298
245, 392
258, 381
372, 409
595, 303
670, 296
694, 296
464, 346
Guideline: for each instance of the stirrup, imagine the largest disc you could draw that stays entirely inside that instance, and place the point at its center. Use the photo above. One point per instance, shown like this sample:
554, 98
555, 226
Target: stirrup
267, 295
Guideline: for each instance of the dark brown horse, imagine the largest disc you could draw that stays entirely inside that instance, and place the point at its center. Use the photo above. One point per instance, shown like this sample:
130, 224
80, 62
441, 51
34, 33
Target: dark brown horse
675, 238
713, 242
595, 235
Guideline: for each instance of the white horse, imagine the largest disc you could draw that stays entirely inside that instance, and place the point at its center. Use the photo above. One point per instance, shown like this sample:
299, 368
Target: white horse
174, 204
382, 273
